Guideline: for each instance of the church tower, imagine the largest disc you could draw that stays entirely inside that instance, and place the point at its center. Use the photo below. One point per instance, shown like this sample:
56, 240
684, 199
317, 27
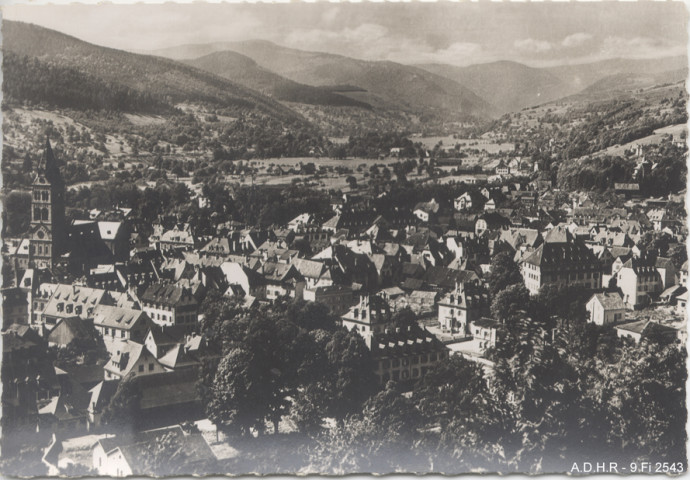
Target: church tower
48, 230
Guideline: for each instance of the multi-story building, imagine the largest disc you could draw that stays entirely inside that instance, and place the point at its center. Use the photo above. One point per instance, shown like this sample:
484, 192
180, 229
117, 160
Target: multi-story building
337, 297
117, 324
400, 354
461, 306
638, 281
561, 260
169, 304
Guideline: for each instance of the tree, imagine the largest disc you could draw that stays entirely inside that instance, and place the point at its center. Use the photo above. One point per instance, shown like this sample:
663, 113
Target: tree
17, 213
82, 351
352, 381
679, 255
237, 404
352, 182
508, 302
504, 272
380, 439
123, 411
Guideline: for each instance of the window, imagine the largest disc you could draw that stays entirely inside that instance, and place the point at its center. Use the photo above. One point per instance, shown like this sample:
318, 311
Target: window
122, 334
141, 368
151, 367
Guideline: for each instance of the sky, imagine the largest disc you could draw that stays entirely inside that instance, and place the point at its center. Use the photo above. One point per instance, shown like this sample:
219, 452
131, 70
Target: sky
457, 33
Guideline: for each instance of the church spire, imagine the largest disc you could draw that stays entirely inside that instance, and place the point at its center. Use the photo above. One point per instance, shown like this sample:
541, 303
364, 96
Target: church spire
48, 164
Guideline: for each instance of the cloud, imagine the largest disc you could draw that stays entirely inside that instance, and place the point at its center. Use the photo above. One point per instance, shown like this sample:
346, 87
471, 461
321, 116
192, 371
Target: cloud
530, 45
364, 39
640, 47
576, 39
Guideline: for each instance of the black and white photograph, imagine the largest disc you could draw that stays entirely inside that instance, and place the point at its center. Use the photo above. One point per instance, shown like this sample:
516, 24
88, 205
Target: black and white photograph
344, 238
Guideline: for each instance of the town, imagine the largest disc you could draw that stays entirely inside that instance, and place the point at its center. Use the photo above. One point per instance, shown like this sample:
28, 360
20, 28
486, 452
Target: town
95, 307
215, 286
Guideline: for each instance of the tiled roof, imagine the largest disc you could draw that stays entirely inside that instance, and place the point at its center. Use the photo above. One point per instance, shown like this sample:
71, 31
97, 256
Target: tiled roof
168, 294
116, 317
610, 300
404, 342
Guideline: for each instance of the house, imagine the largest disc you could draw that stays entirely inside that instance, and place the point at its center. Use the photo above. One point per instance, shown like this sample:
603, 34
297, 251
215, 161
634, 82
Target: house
486, 330
65, 413
115, 236
131, 358
169, 304
281, 280
606, 308
667, 271
337, 297
127, 455
659, 219
178, 358
158, 341
561, 260
176, 238
404, 354
426, 211
463, 202
670, 295
646, 328
502, 168
70, 300
459, 307
116, 324
101, 394
313, 272
422, 301
490, 221
365, 318
250, 282
70, 328
639, 281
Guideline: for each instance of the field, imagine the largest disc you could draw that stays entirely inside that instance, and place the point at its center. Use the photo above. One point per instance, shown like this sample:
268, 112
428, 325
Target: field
654, 138
466, 144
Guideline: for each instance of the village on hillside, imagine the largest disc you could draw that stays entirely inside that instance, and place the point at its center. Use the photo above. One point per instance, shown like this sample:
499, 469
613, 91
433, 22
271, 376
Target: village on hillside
94, 310
335, 238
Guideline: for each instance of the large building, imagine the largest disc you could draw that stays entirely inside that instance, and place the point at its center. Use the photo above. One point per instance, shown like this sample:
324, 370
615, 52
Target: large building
48, 227
400, 354
638, 281
562, 260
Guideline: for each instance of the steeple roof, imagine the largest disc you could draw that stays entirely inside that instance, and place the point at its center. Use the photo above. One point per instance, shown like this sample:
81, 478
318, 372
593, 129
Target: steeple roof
48, 166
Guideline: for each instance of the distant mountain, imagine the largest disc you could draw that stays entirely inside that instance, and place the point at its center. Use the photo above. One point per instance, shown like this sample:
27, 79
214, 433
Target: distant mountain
245, 71
385, 85
42, 65
626, 81
510, 86
581, 76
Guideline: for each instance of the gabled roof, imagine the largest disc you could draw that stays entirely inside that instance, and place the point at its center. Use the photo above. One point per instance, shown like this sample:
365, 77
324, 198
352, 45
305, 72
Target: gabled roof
309, 268
122, 361
609, 300
168, 294
177, 357
116, 317
135, 448
69, 328
109, 230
